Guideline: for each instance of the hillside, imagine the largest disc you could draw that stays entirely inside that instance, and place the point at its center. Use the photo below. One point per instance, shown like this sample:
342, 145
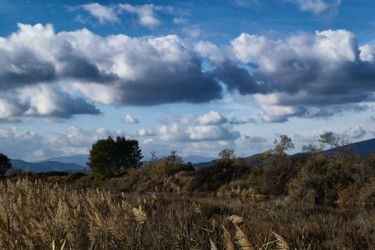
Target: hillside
47, 166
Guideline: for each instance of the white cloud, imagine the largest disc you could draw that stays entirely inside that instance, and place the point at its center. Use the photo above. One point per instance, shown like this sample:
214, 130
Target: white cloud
103, 132
179, 20
44, 71
28, 145
144, 132
210, 51
211, 118
331, 48
206, 127
247, 3
367, 53
193, 31
304, 75
129, 119
48, 74
317, 6
211, 133
146, 13
102, 13
356, 133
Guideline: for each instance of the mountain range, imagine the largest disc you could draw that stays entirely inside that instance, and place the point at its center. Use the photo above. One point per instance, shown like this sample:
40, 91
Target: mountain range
47, 166
78, 163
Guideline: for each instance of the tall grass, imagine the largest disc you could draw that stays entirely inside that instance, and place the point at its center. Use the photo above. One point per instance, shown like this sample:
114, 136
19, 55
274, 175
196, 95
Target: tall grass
39, 216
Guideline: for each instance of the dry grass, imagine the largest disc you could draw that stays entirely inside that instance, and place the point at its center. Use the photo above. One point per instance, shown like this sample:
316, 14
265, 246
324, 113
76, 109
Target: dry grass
39, 216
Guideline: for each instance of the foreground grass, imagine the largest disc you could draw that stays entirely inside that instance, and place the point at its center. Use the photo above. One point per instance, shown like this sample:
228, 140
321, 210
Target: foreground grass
40, 216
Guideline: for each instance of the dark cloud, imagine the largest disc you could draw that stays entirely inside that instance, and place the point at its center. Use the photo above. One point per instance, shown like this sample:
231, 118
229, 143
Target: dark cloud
180, 84
255, 139
24, 68
237, 78
69, 106
236, 121
81, 69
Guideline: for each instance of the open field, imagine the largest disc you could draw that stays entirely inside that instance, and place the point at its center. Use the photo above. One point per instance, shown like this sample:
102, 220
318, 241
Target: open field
40, 216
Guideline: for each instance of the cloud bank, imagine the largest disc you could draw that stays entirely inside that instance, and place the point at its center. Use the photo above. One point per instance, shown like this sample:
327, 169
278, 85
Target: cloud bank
305, 75
49, 74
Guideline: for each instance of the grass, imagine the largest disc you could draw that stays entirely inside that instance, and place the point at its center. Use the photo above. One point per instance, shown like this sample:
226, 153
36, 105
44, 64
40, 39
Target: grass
34, 215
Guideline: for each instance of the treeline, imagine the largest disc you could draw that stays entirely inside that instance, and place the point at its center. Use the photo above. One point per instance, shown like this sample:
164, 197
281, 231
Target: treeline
315, 177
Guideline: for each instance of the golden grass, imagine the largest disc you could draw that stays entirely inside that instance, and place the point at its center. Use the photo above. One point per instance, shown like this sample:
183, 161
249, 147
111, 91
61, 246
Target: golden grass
39, 216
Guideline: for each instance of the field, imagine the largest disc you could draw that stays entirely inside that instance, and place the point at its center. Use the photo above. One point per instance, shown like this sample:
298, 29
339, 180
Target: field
34, 215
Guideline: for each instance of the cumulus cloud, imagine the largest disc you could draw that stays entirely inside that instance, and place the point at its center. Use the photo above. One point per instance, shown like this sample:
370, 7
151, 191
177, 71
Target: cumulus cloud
146, 13
317, 6
210, 51
122, 71
356, 133
144, 132
302, 75
129, 119
46, 101
367, 53
49, 74
28, 145
206, 127
211, 118
102, 13
42, 101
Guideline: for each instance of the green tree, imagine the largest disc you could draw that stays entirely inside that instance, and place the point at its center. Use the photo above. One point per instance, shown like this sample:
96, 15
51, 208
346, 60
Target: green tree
4, 163
109, 157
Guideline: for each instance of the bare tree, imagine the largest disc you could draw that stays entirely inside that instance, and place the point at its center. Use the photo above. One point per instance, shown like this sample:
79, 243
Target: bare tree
284, 144
227, 154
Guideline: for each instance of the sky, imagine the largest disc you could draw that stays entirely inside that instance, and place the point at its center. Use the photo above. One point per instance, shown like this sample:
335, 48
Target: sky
194, 77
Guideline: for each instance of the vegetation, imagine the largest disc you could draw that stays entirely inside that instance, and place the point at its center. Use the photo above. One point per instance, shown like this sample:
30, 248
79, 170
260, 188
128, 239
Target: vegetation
4, 164
109, 157
38, 216
270, 201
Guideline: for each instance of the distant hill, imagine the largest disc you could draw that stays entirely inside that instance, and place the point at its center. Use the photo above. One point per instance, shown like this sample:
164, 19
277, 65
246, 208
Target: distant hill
76, 159
362, 148
47, 166
196, 159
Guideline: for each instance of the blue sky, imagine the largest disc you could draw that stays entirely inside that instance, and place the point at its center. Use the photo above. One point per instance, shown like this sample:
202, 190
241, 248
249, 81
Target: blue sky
190, 76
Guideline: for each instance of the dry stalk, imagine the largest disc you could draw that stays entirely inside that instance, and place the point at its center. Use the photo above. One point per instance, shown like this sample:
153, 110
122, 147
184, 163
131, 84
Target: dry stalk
242, 241
227, 240
280, 242
213, 246
235, 219
139, 215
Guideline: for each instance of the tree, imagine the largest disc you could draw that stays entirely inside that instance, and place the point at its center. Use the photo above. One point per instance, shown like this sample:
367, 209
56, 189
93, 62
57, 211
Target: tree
283, 145
4, 163
333, 140
109, 157
330, 139
227, 154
